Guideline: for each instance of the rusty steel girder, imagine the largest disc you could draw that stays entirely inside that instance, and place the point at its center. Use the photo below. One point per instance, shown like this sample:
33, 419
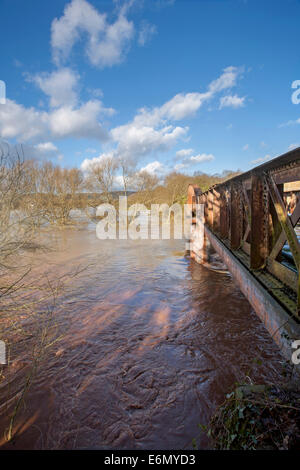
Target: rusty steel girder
248, 214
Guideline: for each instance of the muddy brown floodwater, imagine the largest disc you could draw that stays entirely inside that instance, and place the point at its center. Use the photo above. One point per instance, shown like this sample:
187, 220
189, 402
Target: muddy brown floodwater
151, 343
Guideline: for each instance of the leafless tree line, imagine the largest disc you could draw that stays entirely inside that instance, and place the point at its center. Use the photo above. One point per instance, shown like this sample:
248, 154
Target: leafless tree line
29, 193
37, 192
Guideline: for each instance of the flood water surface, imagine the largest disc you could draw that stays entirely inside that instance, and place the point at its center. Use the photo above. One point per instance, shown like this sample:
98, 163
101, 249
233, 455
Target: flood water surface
151, 343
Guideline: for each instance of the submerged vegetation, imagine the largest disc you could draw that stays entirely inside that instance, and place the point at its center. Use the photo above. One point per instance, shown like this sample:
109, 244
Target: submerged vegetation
257, 417
25, 297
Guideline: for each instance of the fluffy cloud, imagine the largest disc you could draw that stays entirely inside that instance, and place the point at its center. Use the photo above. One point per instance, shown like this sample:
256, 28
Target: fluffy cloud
188, 161
184, 153
232, 101
183, 105
40, 151
66, 117
29, 124
79, 123
60, 86
151, 130
138, 141
228, 79
90, 162
154, 168
46, 147
202, 157
154, 130
24, 124
107, 43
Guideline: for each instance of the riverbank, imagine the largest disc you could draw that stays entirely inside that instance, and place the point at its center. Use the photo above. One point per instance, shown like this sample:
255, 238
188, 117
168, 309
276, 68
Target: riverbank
258, 417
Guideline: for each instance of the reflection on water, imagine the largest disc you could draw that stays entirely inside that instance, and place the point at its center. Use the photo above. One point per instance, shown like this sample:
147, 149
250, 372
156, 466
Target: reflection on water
152, 342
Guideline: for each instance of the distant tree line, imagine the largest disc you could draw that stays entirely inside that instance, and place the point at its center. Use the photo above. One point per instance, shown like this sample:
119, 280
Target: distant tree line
45, 192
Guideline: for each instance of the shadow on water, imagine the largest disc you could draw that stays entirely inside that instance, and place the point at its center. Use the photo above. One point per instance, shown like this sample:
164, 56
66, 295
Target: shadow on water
151, 343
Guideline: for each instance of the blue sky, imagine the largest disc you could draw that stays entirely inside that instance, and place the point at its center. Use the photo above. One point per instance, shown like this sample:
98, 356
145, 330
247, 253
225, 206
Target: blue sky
191, 85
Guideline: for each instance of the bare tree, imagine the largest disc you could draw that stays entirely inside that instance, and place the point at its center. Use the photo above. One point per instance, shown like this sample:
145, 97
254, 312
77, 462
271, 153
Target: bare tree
22, 295
101, 177
128, 168
57, 191
16, 224
177, 186
145, 183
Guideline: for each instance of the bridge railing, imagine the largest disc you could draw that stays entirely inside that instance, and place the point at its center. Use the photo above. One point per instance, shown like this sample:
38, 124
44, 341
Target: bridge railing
248, 213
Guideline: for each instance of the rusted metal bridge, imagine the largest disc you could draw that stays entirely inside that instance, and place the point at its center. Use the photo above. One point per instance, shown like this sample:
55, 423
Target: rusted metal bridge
247, 223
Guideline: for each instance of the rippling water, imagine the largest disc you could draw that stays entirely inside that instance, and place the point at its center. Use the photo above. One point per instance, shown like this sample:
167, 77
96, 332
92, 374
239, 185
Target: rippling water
151, 343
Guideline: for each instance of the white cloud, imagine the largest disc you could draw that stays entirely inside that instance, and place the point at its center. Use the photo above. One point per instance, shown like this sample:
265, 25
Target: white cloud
18, 122
154, 168
119, 181
66, 118
90, 162
290, 123
107, 43
138, 141
261, 159
184, 153
79, 123
183, 105
40, 151
192, 160
60, 86
28, 124
152, 130
202, 157
146, 32
46, 147
232, 101
228, 79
